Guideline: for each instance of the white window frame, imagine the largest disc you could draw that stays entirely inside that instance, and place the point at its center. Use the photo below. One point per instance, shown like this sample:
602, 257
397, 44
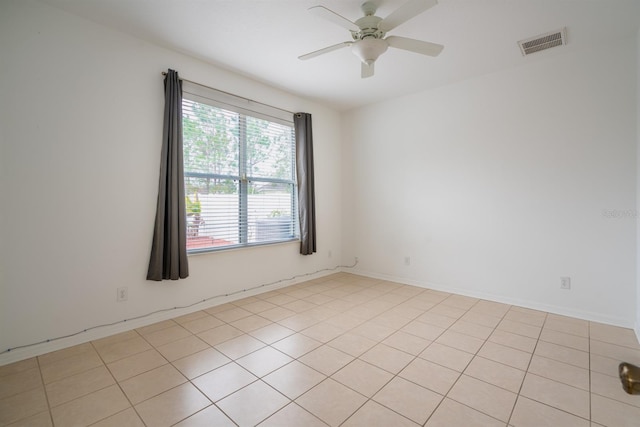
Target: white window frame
245, 107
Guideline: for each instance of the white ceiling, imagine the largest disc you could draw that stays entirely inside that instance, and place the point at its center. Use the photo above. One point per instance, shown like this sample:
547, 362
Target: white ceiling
262, 39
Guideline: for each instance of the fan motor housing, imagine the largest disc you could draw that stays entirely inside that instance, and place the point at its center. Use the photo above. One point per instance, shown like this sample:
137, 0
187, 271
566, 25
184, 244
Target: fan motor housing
368, 28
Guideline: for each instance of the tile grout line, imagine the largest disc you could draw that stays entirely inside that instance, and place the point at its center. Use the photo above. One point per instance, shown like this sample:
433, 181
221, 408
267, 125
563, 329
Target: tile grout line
187, 380
393, 375
446, 396
533, 352
553, 380
76, 374
260, 378
44, 389
118, 383
461, 372
367, 398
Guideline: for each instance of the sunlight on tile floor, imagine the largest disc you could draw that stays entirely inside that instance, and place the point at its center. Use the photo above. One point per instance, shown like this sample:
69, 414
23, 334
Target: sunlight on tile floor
342, 350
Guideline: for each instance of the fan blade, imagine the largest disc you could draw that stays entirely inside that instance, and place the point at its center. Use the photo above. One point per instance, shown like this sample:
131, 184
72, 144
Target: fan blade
405, 12
323, 51
366, 70
417, 46
330, 15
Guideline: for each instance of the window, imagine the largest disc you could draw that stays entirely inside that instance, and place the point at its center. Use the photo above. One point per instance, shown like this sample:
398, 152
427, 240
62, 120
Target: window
239, 171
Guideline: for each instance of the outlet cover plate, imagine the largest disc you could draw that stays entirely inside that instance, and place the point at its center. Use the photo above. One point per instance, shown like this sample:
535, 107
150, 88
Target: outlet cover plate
123, 294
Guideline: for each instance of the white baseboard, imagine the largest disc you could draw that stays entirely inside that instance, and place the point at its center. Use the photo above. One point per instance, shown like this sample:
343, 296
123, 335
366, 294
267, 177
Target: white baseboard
102, 332
563, 311
127, 325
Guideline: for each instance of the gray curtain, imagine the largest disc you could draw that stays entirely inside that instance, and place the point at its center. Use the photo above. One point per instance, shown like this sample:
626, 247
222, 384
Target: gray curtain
306, 185
169, 248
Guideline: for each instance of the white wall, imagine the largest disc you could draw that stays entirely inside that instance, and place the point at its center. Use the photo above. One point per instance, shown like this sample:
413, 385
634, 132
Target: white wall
497, 186
81, 125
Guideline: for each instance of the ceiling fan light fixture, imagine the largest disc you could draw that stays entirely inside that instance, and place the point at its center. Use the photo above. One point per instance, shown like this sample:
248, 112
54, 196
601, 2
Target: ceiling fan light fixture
369, 33
369, 49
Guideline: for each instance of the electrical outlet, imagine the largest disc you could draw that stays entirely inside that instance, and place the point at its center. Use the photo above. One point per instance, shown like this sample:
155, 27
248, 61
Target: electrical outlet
330, 254
123, 294
565, 283
407, 260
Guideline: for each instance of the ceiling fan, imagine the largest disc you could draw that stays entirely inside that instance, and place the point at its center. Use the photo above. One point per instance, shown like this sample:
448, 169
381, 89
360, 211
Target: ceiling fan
368, 33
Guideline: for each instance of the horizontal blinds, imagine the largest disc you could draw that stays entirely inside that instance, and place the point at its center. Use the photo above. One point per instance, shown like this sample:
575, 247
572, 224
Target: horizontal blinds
207, 95
210, 139
239, 177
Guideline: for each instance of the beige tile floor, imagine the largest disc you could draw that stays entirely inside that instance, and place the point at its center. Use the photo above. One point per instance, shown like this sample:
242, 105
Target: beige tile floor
343, 350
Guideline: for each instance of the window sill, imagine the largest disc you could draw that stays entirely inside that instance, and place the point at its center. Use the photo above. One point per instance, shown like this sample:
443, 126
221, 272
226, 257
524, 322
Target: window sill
210, 250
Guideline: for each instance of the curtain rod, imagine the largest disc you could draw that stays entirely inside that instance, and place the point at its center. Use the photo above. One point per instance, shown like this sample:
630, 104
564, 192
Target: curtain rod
164, 73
